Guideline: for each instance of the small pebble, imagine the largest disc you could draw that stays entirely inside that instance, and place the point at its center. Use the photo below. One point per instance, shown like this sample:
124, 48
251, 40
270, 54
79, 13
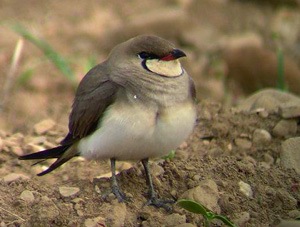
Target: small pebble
289, 111
68, 191
261, 137
243, 143
285, 128
245, 189
14, 176
94, 222
43, 126
17, 150
27, 196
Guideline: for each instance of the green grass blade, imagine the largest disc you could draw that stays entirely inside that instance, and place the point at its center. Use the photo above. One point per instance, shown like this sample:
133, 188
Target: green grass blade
225, 220
48, 51
192, 206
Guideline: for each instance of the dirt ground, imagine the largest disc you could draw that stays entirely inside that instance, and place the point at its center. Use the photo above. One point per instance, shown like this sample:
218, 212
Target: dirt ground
222, 149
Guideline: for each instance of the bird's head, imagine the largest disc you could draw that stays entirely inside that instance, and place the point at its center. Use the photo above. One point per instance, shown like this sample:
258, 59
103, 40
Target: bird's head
148, 53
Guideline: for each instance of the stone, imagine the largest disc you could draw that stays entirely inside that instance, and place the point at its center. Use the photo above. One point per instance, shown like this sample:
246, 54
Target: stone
243, 143
174, 219
245, 189
95, 222
288, 223
290, 154
242, 218
123, 166
156, 170
269, 99
14, 140
17, 150
289, 110
43, 126
285, 128
27, 196
206, 193
186, 225
68, 191
261, 137
294, 214
14, 177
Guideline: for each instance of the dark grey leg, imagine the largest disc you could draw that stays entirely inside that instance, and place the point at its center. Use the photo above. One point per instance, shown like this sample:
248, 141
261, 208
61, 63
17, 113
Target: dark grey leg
114, 184
153, 200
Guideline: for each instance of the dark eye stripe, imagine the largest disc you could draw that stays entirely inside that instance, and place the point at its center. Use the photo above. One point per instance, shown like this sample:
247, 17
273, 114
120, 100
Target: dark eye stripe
145, 55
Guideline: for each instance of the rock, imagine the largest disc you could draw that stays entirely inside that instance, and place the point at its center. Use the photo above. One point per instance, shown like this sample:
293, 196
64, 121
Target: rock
289, 110
156, 170
186, 225
206, 193
246, 189
120, 166
14, 176
14, 140
243, 143
117, 215
289, 223
95, 222
290, 154
68, 191
285, 128
269, 99
261, 137
242, 218
17, 150
294, 214
43, 126
175, 219
27, 196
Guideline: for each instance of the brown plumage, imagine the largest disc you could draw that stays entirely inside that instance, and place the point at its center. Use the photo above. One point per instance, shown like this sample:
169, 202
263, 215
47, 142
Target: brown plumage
136, 105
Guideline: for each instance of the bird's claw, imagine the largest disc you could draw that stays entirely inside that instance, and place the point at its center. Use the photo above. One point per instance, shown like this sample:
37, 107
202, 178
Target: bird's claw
120, 195
163, 203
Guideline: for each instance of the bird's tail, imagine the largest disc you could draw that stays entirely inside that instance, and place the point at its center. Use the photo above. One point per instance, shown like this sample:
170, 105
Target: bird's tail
63, 153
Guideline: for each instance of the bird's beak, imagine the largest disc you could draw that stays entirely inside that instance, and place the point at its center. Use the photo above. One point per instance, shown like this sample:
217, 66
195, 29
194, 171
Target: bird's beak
175, 54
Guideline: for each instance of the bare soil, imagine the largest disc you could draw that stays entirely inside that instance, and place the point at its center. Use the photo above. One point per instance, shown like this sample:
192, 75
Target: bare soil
221, 148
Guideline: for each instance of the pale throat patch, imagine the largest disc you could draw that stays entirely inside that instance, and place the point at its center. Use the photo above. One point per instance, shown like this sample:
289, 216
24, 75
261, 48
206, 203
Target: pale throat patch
165, 68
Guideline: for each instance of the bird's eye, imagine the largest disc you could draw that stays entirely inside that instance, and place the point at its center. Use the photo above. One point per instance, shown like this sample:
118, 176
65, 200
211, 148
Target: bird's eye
145, 55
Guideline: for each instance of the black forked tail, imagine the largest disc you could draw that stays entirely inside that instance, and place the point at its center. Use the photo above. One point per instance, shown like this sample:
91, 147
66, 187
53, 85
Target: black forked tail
56, 152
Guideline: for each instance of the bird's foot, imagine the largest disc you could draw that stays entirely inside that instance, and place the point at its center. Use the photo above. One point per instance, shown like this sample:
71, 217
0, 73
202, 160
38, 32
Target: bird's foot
119, 194
163, 203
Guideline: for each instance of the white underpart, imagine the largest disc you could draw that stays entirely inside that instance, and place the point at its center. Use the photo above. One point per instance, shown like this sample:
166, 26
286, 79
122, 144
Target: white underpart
135, 133
165, 68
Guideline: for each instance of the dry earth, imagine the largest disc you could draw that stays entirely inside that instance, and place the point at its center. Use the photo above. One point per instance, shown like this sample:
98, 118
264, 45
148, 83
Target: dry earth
220, 160
232, 162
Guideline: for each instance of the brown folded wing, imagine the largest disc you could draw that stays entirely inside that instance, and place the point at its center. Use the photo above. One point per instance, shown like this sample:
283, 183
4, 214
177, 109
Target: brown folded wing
94, 94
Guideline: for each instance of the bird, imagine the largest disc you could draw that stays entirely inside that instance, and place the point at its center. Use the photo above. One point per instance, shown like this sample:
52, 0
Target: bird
136, 105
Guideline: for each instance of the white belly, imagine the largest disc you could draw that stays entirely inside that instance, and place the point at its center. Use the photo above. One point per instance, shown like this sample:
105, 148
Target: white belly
135, 133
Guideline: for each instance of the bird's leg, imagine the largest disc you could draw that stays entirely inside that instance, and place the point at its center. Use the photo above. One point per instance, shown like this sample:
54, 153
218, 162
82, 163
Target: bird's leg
153, 200
114, 184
